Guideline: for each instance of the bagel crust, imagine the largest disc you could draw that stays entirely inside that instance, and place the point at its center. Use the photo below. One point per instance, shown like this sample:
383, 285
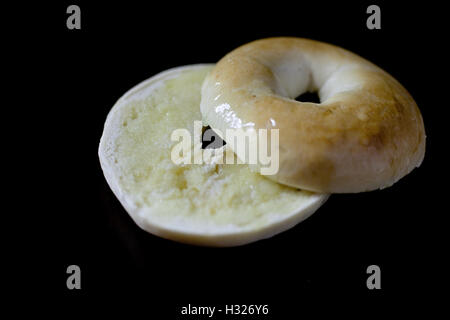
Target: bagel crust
366, 133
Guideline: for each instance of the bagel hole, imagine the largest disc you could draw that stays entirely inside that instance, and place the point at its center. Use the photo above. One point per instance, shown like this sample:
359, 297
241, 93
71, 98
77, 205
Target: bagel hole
210, 139
309, 97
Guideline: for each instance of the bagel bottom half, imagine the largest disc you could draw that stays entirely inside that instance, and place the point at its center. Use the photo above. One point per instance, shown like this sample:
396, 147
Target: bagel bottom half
204, 204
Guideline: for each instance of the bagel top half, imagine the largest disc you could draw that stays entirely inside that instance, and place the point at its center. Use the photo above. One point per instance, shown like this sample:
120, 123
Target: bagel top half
366, 133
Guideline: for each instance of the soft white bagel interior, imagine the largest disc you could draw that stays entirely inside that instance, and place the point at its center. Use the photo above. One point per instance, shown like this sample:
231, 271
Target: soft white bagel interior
207, 204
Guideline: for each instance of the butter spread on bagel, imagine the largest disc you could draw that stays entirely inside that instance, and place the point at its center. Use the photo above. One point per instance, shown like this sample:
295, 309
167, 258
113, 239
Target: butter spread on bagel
206, 204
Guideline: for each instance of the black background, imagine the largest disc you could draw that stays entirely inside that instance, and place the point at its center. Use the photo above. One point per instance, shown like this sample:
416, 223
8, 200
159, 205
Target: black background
319, 264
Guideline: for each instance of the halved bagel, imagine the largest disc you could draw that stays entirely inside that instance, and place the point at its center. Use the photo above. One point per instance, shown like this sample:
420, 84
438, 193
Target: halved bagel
366, 133
204, 204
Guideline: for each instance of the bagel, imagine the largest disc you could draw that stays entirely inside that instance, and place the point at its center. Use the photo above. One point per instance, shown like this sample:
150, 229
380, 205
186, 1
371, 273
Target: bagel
206, 204
366, 133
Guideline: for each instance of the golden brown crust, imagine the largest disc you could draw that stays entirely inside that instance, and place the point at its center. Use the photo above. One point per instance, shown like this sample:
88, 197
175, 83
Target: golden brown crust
366, 133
